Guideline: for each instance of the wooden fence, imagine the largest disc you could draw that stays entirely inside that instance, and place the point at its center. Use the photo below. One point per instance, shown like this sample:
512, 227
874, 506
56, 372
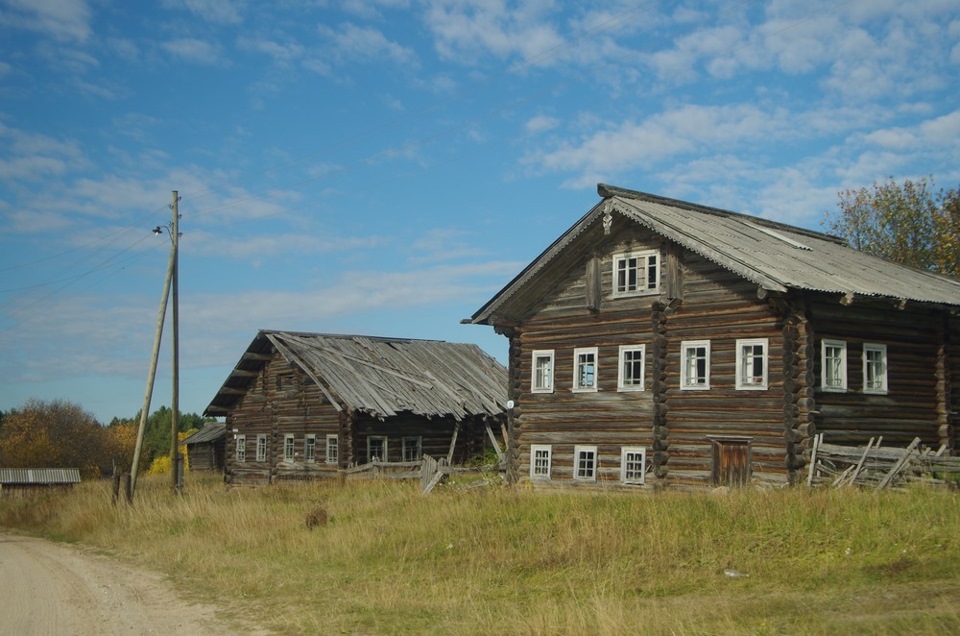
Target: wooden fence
428, 470
877, 467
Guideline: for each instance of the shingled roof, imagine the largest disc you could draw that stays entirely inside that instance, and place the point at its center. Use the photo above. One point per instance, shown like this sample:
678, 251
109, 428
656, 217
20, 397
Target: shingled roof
378, 376
775, 256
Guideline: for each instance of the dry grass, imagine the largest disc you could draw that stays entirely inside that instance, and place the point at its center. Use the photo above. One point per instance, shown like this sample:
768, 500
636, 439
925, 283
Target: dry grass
389, 560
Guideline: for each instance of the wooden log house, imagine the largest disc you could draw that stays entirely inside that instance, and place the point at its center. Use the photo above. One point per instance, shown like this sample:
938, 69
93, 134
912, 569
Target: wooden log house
659, 342
206, 449
308, 405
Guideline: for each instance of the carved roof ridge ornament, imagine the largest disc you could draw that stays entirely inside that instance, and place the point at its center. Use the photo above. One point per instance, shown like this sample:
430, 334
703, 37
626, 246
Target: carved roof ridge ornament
607, 217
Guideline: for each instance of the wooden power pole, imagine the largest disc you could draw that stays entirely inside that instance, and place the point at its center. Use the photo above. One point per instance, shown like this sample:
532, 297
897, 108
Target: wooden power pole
176, 466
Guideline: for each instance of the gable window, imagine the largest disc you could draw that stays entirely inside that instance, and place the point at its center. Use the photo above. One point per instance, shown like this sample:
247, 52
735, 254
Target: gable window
540, 459
585, 463
377, 448
874, 368
695, 365
411, 449
833, 365
241, 448
633, 460
752, 364
310, 448
288, 447
585, 369
261, 448
631, 371
333, 449
636, 273
542, 372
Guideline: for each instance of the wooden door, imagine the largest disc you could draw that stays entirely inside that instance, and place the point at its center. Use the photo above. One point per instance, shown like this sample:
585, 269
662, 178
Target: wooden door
731, 462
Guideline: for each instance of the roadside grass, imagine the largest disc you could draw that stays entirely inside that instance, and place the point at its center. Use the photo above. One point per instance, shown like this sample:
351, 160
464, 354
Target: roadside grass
473, 561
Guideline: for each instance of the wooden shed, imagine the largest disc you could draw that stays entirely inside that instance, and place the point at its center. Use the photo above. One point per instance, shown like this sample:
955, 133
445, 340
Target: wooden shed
206, 449
22, 483
307, 405
659, 342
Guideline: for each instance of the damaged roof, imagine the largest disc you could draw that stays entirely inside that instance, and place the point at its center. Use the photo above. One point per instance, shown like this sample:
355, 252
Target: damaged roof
378, 376
775, 256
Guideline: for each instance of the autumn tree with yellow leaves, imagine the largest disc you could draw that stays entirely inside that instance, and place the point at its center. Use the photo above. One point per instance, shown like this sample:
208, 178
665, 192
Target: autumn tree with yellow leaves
911, 223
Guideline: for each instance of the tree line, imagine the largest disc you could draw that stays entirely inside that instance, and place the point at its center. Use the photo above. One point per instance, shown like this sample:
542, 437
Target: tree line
60, 434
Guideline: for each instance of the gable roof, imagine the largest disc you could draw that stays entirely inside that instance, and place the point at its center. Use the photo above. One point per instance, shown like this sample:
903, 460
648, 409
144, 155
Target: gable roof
378, 376
211, 432
775, 256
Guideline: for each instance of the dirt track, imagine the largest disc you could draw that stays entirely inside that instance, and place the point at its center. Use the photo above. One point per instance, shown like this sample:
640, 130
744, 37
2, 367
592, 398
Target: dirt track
49, 588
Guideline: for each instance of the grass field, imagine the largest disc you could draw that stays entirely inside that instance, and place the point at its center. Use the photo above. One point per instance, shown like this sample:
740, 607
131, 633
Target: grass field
496, 560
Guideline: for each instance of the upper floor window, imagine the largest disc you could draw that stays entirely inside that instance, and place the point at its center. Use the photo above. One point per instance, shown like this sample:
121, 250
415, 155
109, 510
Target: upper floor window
695, 364
631, 371
833, 365
585, 369
874, 368
542, 372
636, 273
585, 463
540, 458
752, 364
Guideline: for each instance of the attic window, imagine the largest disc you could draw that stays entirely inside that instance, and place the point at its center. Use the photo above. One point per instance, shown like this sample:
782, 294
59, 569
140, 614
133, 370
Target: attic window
777, 235
636, 273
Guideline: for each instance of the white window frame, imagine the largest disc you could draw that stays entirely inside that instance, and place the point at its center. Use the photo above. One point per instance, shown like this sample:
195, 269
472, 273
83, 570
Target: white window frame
541, 470
332, 449
386, 449
578, 387
841, 385
414, 443
622, 364
685, 347
261, 448
241, 453
538, 383
310, 448
289, 448
752, 382
578, 453
638, 289
882, 350
627, 477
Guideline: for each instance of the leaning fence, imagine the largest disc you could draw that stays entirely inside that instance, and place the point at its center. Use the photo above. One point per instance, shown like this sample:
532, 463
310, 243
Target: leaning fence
878, 467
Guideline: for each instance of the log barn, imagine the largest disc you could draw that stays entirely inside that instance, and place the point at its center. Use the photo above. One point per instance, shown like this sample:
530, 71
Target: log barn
307, 405
658, 342
206, 449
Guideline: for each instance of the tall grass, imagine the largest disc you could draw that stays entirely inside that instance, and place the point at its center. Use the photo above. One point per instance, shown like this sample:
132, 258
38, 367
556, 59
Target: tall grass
390, 560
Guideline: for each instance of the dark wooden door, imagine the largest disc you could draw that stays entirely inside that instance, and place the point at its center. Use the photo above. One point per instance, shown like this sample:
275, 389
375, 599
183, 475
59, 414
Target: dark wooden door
731, 462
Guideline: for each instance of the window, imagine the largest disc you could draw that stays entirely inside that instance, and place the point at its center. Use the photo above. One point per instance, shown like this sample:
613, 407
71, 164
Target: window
286, 382
585, 369
542, 372
695, 365
288, 448
241, 448
411, 449
377, 448
540, 459
633, 461
585, 463
874, 368
752, 364
261, 448
310, 448
333, 449
833, 365
636, 273
630, 375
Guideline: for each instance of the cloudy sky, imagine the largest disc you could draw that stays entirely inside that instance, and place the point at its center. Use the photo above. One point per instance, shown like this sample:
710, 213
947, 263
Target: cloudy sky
383, 167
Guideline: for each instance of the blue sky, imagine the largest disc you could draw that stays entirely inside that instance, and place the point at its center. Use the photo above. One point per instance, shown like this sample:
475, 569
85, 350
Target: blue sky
384, 167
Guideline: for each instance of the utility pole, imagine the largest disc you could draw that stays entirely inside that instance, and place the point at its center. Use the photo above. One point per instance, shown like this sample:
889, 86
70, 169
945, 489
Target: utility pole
152, 373
175, 461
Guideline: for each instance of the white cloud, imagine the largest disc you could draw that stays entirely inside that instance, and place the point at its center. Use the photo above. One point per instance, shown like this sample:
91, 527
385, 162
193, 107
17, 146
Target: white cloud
541, 123
366, 44
60, 19
193, 50
215, 11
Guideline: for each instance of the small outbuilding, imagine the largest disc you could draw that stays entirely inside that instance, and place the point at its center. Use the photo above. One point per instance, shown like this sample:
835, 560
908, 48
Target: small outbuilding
309, 405
206, 448
23, 483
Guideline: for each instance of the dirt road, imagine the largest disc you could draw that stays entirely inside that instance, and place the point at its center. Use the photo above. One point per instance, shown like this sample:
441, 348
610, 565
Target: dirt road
55, 589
